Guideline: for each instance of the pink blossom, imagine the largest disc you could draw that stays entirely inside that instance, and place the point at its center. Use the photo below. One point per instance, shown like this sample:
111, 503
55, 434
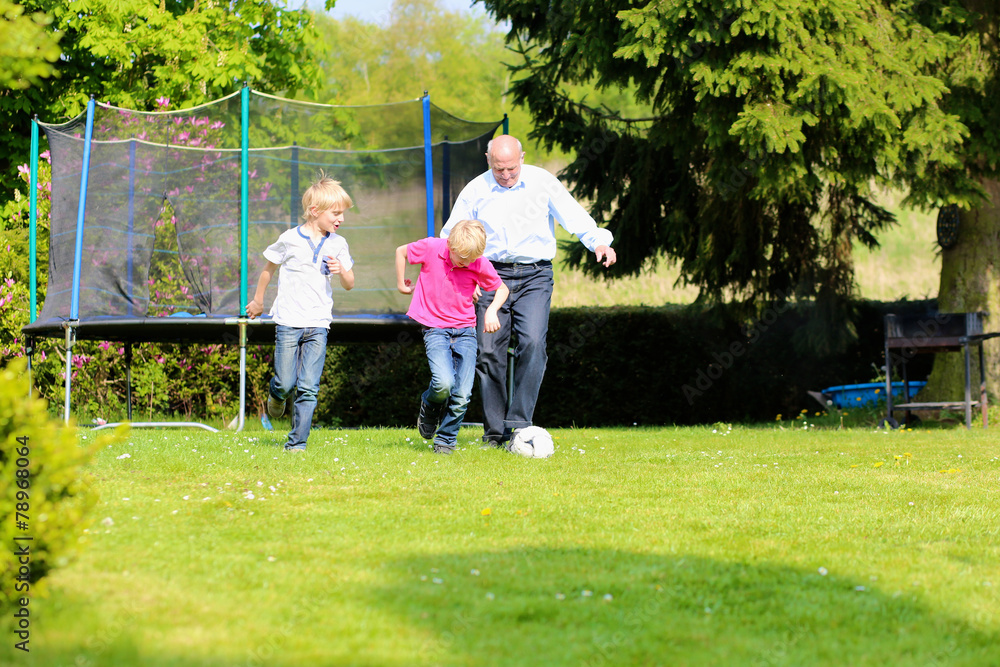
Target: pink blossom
44, 155
218, 125
43, 355
23, 169
104, 345
160, 359
162, 101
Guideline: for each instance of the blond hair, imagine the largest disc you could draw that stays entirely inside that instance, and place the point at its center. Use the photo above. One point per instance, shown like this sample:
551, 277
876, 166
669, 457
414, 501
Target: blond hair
467, 239
324, 194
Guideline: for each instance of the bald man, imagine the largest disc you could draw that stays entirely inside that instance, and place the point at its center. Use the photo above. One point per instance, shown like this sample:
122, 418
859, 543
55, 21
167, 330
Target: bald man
517, 204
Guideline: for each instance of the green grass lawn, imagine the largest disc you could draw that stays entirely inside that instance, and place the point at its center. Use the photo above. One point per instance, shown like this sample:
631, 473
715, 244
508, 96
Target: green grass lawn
795, 545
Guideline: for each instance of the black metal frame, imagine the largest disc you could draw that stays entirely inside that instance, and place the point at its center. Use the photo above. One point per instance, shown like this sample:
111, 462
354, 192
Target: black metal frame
907, 336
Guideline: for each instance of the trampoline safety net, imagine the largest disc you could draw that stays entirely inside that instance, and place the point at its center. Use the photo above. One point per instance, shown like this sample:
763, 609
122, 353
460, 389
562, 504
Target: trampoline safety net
164, 190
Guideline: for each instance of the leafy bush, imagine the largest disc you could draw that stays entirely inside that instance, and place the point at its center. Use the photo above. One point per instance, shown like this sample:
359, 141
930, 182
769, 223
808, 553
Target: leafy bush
375, 384
45, 491
625, 365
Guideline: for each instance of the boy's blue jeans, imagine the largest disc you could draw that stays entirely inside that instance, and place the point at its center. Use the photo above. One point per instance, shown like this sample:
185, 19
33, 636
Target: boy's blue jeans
451, 354
298, 364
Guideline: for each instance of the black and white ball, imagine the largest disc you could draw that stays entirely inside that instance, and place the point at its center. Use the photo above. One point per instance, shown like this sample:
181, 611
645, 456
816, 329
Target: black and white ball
533, 442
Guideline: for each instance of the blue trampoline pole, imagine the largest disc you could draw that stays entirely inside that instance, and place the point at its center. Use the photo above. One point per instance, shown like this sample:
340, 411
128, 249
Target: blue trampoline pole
506, 124
428, 164
74, 309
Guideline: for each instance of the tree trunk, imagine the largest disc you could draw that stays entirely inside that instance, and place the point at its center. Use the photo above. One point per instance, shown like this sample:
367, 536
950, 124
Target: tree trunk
970, 281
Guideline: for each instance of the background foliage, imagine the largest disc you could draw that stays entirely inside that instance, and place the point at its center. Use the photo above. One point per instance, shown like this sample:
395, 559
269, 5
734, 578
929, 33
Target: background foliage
769, 124
130, 52
28, 48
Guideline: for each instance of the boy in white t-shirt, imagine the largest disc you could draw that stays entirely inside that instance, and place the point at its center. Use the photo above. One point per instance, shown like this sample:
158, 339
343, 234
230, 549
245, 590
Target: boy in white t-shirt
309, 256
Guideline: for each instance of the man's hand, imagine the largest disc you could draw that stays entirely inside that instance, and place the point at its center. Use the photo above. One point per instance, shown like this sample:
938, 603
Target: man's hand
606, 255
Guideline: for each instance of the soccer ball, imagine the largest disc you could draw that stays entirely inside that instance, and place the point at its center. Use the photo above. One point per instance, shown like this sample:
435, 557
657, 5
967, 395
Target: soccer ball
533, 442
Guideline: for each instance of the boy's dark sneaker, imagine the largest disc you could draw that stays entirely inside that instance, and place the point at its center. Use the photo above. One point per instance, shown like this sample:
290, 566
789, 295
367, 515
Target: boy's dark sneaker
428, 419
441, 449
275, 408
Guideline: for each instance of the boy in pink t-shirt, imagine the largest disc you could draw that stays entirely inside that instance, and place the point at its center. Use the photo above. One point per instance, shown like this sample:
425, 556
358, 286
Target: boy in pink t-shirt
443, 301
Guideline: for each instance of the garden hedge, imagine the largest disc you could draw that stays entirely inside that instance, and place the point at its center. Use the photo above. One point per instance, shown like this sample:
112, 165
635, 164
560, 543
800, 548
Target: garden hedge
640, 365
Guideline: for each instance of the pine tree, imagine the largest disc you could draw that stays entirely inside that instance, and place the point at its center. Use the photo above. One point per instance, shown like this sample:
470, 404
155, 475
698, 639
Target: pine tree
770, 123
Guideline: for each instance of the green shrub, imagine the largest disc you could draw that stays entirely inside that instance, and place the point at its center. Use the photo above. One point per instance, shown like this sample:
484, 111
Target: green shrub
636, 365
45, 491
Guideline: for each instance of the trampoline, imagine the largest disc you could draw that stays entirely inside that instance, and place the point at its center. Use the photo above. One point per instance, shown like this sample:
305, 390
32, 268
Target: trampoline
232, 173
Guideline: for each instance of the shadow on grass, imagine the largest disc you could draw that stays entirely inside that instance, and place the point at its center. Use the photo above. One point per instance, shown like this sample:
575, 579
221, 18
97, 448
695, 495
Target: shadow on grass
612, 608
580, 607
